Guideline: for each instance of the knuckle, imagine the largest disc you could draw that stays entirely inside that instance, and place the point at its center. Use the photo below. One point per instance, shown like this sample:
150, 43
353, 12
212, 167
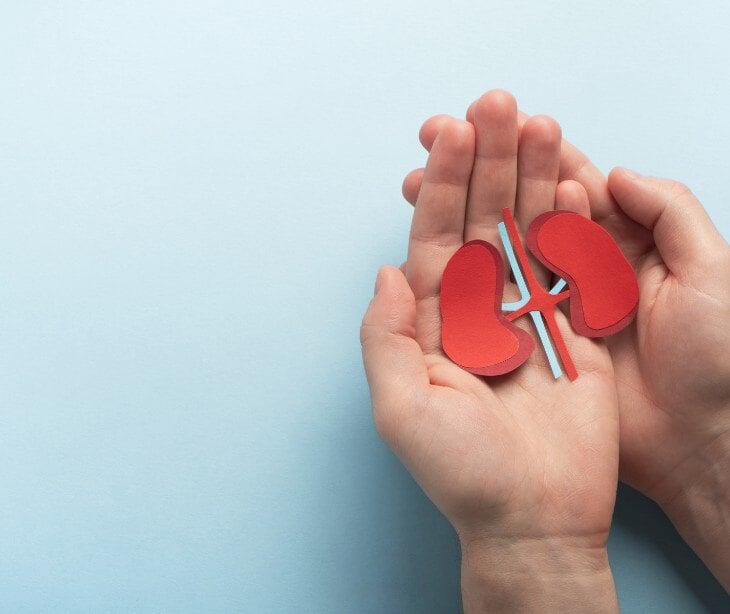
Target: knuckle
678, 190
368, 331
366, 327
677, 195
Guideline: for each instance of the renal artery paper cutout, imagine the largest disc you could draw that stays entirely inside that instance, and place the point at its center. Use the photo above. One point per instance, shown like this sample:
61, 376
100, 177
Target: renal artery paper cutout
478, 332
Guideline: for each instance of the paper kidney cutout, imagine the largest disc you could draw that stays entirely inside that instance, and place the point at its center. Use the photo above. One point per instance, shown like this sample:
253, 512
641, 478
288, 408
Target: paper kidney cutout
475, 334
604, 293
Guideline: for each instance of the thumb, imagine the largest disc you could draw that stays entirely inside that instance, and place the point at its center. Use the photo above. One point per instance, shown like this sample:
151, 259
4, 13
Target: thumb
394, 362
684, 234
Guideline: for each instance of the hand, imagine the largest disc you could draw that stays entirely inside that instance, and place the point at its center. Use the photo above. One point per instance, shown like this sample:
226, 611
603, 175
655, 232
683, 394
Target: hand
524, 466
673, 364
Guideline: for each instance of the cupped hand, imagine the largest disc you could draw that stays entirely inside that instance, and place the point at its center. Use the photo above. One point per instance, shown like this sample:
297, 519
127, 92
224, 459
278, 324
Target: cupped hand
518, 461
672, 365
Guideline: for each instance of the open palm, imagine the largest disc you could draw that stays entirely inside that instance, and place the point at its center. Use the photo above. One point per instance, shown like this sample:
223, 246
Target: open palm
523, 454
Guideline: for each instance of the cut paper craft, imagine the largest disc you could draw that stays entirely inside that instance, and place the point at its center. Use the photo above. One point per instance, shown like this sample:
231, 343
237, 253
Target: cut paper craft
602, 288
474, 328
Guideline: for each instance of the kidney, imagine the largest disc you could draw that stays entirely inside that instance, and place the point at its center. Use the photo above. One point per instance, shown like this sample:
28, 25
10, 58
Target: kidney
475, 334
602, 289
604, 292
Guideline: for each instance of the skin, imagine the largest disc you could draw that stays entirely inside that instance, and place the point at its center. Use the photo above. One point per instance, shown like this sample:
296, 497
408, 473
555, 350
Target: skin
672, 367
524, 466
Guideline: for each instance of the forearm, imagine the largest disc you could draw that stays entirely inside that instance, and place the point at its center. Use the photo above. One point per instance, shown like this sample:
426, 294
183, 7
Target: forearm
536, 575
699, 506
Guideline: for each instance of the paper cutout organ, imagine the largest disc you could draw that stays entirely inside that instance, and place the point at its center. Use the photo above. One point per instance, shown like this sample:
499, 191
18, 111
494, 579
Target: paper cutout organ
477, 329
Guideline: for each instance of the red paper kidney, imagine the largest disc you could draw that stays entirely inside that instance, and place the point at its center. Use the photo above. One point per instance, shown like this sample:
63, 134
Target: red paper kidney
604, 293
475, 334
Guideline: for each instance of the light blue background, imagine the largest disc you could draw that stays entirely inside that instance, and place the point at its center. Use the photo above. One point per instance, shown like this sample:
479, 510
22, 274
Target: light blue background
194, 200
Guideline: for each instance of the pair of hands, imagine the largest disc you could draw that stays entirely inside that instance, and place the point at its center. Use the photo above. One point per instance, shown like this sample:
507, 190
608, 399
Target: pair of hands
524, 466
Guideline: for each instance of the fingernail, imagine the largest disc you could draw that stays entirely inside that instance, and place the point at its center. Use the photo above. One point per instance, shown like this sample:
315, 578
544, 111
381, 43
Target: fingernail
632, 174
378, 281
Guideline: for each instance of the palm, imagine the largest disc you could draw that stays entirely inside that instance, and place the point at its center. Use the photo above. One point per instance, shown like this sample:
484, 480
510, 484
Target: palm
524, 447
658, 374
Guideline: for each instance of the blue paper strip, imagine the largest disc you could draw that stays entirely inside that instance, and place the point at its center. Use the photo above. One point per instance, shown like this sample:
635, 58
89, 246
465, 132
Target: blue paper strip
525, 297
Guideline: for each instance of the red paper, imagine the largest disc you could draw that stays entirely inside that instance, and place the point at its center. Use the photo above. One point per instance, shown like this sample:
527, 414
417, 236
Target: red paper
604, 293
475, 334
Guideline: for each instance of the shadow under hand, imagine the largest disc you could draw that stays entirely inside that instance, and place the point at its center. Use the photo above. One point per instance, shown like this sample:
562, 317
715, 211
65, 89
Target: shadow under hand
395, 551
646, 524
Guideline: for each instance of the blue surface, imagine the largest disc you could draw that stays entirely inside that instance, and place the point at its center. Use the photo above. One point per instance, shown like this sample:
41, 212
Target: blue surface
194, 199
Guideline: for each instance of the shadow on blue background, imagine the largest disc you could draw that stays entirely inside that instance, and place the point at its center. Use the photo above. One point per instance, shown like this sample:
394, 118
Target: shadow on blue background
650, 529
390, 549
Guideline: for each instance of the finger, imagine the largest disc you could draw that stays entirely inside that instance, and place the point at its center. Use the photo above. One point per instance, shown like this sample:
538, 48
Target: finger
573, 165
521, 116
394, 364
572, 196
430, 129
683, 233
412, 185
538, 161
576, 166
494, 179
438, 219
427, 135
438, 222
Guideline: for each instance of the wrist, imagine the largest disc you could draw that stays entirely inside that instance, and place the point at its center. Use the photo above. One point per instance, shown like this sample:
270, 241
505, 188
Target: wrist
696, 498
539, 574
